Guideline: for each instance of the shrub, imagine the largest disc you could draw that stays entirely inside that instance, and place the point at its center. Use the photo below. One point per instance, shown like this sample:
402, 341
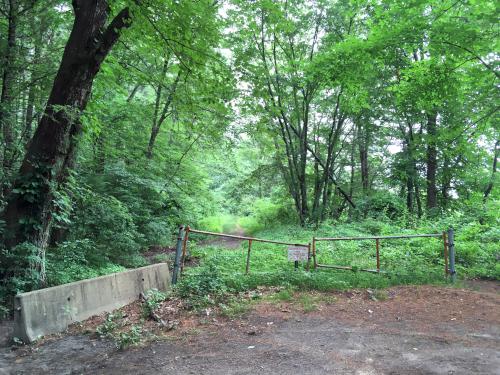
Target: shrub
381, 204
204, 287
129, 338
75, 260
264, 213
107, 328
152, 300
106, 222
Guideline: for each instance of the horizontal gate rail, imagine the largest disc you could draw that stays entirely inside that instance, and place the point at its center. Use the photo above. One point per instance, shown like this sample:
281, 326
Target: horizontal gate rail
377, 237
377, 246
187, 230
246, 238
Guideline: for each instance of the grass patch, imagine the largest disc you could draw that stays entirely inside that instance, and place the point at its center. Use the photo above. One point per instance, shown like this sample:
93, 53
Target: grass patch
328, 299
236, 308
285, 295
308, 302
378, 295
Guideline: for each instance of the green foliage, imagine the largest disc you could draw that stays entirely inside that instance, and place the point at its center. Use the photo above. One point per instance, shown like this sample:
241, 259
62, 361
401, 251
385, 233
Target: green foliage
129, 338
72, 261
308, 303
285, 295
203, 287
222, 223
150, 210
264, 213
381, 205
163, 258
4, 312
152, 301
108, 223
109, 326
21, 262
235, 308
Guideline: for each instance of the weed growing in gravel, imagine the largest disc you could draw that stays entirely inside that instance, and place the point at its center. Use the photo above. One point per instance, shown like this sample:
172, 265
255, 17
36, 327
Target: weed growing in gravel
129, 338
307, 302
285, 295
152, 300
235, 308
107, 328
379, 295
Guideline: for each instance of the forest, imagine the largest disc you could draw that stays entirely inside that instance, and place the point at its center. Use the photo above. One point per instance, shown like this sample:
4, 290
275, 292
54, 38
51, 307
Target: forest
122, 119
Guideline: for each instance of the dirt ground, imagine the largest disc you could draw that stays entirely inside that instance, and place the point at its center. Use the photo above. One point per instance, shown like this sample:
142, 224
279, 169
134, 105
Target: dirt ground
227, 242
415, 330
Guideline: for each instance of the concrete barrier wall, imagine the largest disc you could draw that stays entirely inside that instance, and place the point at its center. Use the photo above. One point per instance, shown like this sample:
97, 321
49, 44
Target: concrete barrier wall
51, 310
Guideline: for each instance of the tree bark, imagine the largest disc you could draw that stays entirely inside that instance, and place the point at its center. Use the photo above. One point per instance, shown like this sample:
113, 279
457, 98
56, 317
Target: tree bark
159, 118
446, 180
496, 154
363, 142
28, 214
6, 99
431, 202
34, 86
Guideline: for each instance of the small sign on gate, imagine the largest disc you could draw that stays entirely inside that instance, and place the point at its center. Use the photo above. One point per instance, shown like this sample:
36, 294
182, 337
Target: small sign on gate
297, 253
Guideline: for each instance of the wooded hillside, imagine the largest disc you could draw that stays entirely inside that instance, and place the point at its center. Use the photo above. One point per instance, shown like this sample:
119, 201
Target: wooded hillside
121, 120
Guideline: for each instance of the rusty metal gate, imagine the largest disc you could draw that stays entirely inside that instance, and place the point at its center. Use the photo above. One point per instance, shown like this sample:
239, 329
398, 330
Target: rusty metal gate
185, 231
377, 239
183, 238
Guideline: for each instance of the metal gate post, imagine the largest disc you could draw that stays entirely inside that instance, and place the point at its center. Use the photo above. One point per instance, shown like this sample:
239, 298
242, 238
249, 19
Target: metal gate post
247, 269
377, 242
184, 245
315, 264
308, 256
445, 254
451, 249
178, 254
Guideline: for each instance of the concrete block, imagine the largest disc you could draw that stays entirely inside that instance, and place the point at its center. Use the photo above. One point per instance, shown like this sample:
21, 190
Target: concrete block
52, 310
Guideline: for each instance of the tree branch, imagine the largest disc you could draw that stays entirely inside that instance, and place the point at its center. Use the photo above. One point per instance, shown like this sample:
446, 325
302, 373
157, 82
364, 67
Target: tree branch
112, 33
488, 66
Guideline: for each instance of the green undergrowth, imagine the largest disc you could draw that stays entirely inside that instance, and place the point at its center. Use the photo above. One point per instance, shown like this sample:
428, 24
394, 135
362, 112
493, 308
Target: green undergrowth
307, 301
117, 327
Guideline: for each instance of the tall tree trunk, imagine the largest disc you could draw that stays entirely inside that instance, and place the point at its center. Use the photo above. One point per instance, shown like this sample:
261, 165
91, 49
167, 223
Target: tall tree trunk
489, 187
28, 214
318, 185
417, 200
431, 202
363, 141
7, 117
160, 116
30, 112
302, 174
446, 180
353, 166
33, 87
409, 194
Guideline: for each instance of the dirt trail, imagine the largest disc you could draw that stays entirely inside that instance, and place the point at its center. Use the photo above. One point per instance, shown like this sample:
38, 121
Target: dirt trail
416, 330
227, 242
